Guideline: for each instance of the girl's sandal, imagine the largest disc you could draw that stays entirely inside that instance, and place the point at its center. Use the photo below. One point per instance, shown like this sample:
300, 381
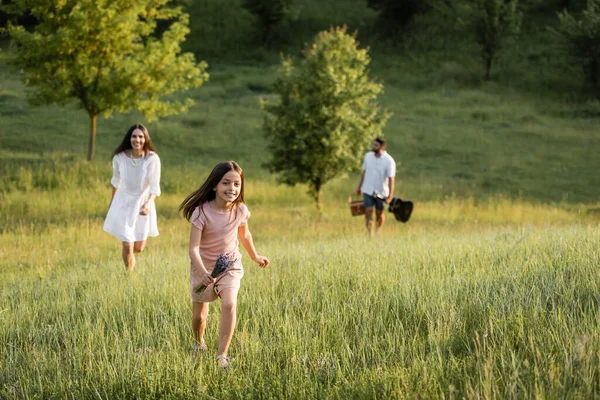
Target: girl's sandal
223, 361
199, 347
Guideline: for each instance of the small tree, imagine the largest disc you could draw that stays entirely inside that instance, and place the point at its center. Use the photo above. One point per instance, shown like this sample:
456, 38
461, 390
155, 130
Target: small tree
582, 39
103, 54
493, 22
269, 13
327, 114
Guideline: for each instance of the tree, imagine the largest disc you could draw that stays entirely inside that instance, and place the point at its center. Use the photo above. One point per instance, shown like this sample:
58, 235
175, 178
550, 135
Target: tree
10, 12
269, 13
551, 6
582, 39
327, 113
396, 15
104, 55
493, 22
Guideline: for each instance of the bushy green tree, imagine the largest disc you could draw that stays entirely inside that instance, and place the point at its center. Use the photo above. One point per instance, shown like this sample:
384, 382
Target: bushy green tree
269, 14
493, 22
327, 113
104, 55
582, 39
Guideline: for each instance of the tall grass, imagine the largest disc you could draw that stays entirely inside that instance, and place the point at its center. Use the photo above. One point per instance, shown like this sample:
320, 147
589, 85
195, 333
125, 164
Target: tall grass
494, 312
494, 299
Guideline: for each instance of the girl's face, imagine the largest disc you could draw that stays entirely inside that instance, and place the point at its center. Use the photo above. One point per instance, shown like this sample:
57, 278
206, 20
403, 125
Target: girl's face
229, 187
138, 140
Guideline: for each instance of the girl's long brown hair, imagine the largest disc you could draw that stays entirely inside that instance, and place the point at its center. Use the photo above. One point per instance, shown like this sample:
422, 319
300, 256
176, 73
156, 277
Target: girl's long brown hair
126, 143
206, 193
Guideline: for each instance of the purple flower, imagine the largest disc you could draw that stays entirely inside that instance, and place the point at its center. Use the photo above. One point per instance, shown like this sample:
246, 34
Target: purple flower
224, 263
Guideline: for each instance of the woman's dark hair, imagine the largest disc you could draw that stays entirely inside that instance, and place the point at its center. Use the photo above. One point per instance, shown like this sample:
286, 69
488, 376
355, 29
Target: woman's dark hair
206, 193
126, 143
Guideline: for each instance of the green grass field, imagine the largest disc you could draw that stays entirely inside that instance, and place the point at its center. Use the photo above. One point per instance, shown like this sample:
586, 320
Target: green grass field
491, 290
431, 309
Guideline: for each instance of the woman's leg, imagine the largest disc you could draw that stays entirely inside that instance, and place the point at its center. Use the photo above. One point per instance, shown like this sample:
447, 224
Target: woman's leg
128, 257
199, 317
228, 315
138, 247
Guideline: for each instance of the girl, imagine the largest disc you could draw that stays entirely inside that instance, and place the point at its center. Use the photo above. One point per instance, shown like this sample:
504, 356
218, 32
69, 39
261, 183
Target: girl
136, 182
218, 216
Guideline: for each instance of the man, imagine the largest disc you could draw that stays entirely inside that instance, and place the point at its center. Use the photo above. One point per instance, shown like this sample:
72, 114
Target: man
377, 183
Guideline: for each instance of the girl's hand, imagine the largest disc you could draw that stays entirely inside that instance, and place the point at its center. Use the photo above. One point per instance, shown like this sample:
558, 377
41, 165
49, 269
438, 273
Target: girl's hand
262, 261
145, 210
206, 279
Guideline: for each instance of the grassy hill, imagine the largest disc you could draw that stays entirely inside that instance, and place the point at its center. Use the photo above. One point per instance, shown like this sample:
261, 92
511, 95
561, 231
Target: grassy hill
530, 133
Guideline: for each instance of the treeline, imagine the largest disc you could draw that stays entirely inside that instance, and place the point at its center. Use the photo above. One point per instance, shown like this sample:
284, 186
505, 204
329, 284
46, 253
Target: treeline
492, 24
237, 28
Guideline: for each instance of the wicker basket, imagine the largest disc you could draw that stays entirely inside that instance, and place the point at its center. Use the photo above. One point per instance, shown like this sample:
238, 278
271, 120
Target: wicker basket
357, 207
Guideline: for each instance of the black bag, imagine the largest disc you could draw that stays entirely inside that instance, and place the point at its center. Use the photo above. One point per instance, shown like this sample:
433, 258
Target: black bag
401, 209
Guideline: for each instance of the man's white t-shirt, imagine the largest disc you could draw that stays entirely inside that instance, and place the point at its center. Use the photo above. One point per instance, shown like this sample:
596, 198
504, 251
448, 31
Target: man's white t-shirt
377, 171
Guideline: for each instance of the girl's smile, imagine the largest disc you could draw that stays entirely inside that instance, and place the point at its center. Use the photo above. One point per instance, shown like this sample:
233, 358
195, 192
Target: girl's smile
228, 189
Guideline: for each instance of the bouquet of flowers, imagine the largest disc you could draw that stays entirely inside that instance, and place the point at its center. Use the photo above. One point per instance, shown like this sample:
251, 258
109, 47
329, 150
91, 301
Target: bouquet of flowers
224, 263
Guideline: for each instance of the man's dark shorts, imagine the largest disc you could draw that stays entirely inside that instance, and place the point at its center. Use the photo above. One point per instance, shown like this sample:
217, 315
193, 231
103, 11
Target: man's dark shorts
371, 201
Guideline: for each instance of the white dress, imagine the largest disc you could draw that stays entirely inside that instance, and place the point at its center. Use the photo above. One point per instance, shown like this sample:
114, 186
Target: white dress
135, 179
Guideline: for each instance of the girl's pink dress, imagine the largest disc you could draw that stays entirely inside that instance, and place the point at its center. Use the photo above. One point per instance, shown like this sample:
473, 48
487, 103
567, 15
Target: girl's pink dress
219, 235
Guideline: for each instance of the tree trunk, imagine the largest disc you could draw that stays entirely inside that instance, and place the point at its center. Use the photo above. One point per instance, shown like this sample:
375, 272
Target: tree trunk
317, 187
318, 200
488, 67
92, 146
266, 31
595, 74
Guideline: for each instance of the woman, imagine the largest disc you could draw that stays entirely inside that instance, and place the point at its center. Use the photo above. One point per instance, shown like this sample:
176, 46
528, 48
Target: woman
136, 182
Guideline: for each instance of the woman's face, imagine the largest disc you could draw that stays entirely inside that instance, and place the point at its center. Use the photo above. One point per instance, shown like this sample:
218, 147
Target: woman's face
229, 187
138, 140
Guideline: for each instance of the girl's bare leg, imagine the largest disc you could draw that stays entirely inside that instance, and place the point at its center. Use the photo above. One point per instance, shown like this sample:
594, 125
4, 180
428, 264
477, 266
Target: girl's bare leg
128, 257
138, 247
228, 316
199, 317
